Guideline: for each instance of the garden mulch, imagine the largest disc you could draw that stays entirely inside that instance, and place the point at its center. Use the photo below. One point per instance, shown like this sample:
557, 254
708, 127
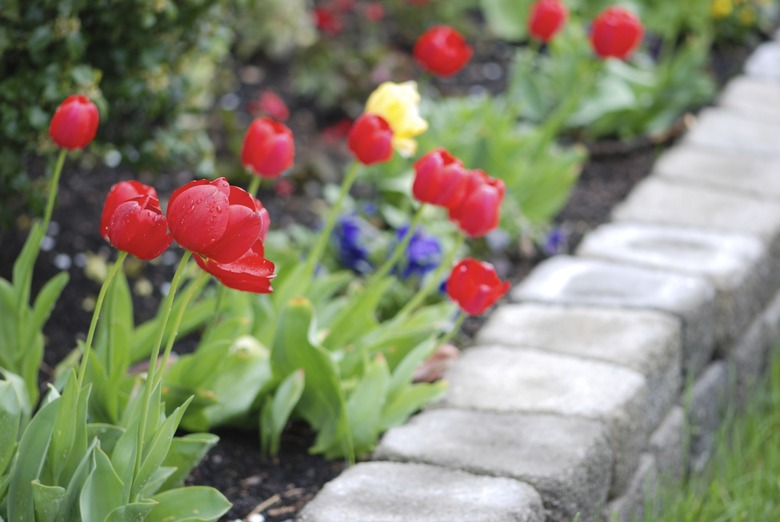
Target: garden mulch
276, 487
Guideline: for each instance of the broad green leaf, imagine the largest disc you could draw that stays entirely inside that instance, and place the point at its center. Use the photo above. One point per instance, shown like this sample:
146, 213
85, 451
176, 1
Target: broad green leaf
10, 423
157, 479
135, 512
402, 375
358, 317
69, 507
69, 433
408, 401
102, 492
33, 447
192, 504
47, 298
277, 410
107, 434
47, 500
365, 404
184, 454
23, 266
506, 18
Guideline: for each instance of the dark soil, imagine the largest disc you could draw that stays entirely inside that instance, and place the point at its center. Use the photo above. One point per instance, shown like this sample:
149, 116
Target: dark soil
276, 487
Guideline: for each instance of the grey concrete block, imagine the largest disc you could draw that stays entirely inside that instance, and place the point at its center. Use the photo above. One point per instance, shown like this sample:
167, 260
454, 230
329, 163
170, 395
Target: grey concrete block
705, 405
737, 265
578, 281
630, 507
392, 492
752, 98
764, 63
669, 446
500, 379
566, 459
646, 341
726, 130
748, 359
730, 171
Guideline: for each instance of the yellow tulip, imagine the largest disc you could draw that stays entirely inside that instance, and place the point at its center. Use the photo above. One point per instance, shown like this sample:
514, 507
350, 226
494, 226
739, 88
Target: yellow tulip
721, 8
399, 105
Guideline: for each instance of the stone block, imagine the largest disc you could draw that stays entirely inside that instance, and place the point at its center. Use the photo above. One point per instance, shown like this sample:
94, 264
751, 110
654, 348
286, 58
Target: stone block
630, 507
566, 459
752, 98
738, 266
771, 318
723, 129
705, 405
646, 341
748, 359
764, 63
669, 446
392, 492
734, 172
500, 379
575, 281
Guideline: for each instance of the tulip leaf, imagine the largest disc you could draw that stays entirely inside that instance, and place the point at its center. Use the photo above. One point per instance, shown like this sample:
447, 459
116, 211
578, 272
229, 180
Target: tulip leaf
46, 299
107, 434
135, 512
184, 454
408, 401
277, 409
191, 504
10, 423
365, 405
69, 433
102, 491
47, 501
69, 507
358, 317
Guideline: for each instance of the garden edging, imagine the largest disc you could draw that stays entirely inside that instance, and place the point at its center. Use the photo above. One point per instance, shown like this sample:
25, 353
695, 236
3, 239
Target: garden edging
571, 402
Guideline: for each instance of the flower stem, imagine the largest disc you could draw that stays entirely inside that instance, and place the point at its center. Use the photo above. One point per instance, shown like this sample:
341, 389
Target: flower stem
433, 281
55, 181
96, 315
399, 250
254, 185
167, 307
453, 330
322, 241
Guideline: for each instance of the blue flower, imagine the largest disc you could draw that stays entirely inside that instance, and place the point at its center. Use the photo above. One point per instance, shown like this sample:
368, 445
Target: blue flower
555, 242
423, 253
351, 251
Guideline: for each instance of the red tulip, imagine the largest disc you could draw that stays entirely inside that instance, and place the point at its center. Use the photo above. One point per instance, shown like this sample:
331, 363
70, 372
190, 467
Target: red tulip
479, 211
546, 19
439, 179
119, 193
442, 50
214, 219
374, 11
74, 123
269, 103
327, 21
138, 227
475, 286
371, 139
268, 148
616, 32
251, 272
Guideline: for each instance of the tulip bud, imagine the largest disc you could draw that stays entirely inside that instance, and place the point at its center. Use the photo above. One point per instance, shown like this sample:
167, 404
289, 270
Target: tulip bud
74, 123
268, 148
616, 32
546, 19
479, 211
371, 139
138, 227
442, 50
439, 179
119, 193
475, 286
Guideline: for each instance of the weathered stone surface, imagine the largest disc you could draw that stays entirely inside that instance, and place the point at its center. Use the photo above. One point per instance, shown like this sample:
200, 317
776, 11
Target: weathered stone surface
748, 360
669, 445
566, 459
630, 507
392, 492
705, 405
646, 341
494, 378
577, 281
726, 130
764, 63
730, 171
752, 98
737, 265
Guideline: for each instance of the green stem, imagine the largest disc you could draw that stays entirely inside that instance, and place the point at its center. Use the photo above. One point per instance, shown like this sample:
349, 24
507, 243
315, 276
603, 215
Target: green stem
194, 288
453, 330
433, 281
254, 185
55, 181
96, 315
322, 241
399, 251
167, 307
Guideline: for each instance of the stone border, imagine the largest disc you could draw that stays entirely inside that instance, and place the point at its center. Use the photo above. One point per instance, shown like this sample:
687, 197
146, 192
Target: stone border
571, 403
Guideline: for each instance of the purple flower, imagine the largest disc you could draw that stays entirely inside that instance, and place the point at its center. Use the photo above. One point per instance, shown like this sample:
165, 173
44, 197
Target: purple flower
352, 253
423, 253
555, 242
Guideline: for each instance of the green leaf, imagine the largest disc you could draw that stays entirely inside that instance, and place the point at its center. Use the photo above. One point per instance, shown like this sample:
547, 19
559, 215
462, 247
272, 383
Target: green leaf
69, 507
107, 434
47, 298
184, 454
277, 411
69, 433
10, 424
365, 404
102, 492
192, 504
47, 500
359, 316
506, 18
135, 512
408, 401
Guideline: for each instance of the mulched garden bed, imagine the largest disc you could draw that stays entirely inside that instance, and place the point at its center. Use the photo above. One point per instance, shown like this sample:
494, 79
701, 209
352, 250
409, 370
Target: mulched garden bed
276, 487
